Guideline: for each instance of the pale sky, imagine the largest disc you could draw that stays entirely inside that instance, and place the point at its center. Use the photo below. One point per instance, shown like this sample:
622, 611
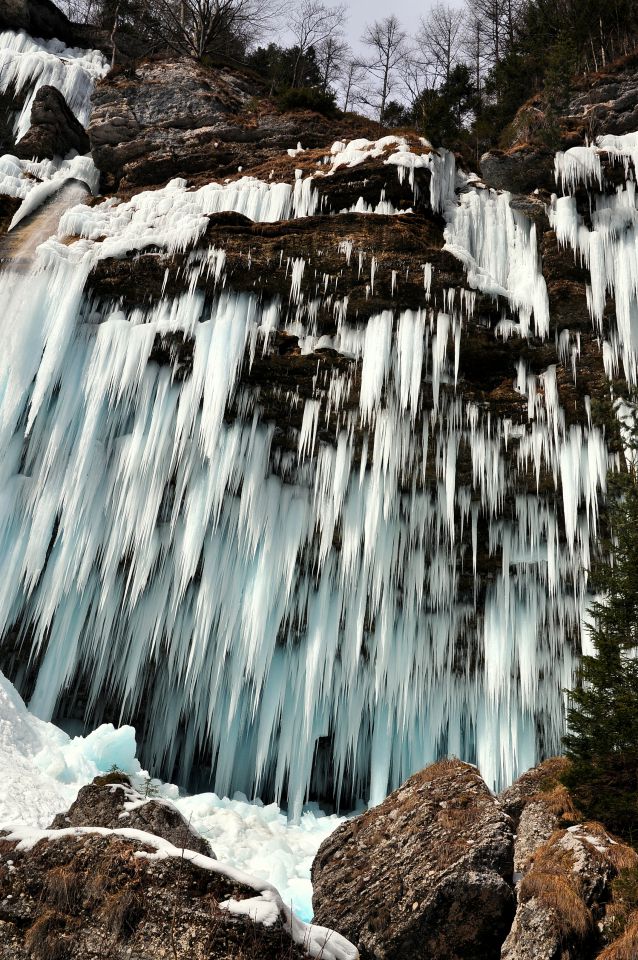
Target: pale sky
366, 11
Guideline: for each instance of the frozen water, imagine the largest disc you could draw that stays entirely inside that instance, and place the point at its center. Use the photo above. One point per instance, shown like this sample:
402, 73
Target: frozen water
298, 621
43, 769
26, 64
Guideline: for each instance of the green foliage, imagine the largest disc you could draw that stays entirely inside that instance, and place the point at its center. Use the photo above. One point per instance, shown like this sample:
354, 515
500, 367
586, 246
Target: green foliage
550, 44
151, 788
285, 67
443, 113
397, 115
602, 738
308, 98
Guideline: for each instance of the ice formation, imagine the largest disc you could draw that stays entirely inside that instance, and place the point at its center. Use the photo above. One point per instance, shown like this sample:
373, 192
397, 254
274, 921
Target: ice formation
27, 64
43, 769
607, 244
316, 620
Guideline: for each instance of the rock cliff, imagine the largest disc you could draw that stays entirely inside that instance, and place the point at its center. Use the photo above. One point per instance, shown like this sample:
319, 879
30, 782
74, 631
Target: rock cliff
436, 871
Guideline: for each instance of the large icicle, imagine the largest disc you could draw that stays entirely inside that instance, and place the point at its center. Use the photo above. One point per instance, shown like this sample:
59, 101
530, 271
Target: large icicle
27, 64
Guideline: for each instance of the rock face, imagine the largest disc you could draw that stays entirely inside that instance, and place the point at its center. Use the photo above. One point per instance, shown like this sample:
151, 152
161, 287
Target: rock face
567, 904
70, 893
563, 894
520, 170
602, 103
111, 802
54, 129
175, 118
425, 874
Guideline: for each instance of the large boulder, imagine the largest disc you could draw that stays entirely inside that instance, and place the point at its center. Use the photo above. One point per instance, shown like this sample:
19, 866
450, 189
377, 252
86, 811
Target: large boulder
111, 801
54, 131
564, 894
522, 170
87, 890
427, 873
568, 901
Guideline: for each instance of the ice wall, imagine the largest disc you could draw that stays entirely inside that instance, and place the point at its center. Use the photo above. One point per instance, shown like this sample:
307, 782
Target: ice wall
26, 64
258, 607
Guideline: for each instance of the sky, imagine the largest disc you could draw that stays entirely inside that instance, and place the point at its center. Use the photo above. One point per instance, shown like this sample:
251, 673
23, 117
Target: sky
366, 11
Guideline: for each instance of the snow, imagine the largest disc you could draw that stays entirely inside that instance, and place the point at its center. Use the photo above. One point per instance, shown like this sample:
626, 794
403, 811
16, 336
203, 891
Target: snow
354, 152
265, 908
26, 64
44, 769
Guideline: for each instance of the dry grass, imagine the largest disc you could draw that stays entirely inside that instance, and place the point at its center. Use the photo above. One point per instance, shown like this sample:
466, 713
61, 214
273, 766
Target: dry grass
552, 882
122, 912
558, 802
626, 946
62, 887
43, 939
559, 893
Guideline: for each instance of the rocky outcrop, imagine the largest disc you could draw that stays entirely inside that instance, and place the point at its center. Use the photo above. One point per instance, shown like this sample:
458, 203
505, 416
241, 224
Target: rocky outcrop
427, 873
520, 170
601, 103
54, 131
167, 118
564, 894
111, 801
128, 891
568, 904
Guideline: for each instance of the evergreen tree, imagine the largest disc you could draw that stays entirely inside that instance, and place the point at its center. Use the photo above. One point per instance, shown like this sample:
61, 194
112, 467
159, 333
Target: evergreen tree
602, 738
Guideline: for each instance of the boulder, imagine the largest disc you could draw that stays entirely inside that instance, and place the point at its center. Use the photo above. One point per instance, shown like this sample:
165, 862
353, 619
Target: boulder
567, 902
521, 170
427, 873
89, 891
112, 802
54, 131
565, 893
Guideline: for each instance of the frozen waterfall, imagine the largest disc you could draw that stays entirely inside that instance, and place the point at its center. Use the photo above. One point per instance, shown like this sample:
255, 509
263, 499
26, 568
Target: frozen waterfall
311, 621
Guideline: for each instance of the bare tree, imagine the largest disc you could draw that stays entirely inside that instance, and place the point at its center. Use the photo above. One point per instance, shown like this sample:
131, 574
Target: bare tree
80, 11
474, 44
312, 24
332, 55
197, 27
440, 38
387, 42
490, 14
351, 84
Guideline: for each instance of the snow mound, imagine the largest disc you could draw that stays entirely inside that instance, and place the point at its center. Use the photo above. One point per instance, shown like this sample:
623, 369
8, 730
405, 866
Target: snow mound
43, 769
259, 839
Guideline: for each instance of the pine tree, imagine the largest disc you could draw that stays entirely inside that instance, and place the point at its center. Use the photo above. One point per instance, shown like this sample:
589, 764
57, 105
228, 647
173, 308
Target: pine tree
602, 738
